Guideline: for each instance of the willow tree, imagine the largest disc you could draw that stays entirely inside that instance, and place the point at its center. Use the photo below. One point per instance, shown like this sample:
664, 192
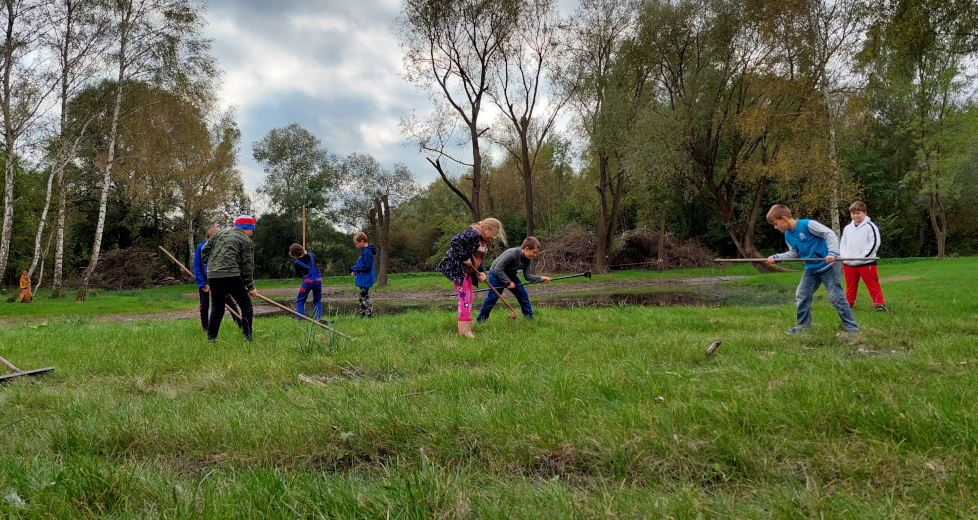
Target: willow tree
726, 94
598, 82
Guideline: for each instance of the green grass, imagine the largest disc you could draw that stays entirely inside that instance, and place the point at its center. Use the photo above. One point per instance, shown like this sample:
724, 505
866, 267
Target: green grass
592, 413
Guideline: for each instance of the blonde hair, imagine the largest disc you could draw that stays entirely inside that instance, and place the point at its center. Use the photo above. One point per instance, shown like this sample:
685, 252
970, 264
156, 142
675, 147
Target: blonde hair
360, 237
495, 225
777, 211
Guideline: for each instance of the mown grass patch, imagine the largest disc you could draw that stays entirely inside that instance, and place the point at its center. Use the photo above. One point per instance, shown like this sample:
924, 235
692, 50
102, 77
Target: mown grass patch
586, 412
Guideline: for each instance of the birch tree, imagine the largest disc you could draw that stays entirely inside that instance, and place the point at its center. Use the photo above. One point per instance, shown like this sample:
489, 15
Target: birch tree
156, 40
25, 85
78, 41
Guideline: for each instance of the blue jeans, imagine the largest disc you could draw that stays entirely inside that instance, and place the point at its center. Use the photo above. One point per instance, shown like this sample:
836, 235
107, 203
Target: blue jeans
519, 291
832, 280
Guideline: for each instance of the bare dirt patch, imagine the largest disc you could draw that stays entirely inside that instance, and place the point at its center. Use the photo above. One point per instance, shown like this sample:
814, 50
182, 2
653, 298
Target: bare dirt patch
343, 294
888, 279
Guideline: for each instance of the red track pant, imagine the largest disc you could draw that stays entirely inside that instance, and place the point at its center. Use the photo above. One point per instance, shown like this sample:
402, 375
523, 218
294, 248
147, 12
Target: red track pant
869, 277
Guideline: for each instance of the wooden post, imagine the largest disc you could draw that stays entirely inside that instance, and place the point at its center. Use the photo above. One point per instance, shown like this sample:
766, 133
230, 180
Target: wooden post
662, 233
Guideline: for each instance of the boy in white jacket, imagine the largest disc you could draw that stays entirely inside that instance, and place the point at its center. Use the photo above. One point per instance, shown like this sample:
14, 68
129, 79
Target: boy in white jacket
861, 239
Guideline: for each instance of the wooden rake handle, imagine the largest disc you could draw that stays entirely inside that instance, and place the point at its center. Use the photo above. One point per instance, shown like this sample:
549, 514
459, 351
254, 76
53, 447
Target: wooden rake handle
181, 266
296, 314
511, 309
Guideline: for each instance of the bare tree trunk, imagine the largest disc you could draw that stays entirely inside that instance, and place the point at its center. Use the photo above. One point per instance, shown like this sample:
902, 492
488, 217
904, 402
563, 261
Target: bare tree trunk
40, 225
938, 222
528, 188
834, 173
106, 185
57, 279
476, 172
383, 211
9, 151
601, 255
8, 210
191, 247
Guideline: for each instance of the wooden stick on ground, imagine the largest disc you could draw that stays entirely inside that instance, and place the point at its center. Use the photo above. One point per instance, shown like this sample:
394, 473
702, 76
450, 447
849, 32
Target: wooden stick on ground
181, 266
296, 314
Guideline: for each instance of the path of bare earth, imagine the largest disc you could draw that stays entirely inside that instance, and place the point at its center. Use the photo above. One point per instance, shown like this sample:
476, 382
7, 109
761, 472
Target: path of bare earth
344, 293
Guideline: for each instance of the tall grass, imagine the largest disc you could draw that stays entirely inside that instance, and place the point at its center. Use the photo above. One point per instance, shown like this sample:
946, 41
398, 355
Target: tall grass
585, 412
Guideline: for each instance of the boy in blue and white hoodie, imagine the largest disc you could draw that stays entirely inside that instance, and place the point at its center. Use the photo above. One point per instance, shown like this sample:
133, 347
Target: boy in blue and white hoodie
810, 239
363, 273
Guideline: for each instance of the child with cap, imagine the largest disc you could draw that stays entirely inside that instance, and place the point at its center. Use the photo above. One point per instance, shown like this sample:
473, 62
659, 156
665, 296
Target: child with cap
230, 259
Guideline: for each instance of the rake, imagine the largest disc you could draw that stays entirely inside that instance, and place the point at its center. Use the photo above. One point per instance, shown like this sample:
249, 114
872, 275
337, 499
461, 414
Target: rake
18, 372
184, 268
586, 275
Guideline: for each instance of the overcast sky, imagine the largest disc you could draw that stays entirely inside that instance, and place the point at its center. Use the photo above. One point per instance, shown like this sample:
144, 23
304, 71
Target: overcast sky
333, 67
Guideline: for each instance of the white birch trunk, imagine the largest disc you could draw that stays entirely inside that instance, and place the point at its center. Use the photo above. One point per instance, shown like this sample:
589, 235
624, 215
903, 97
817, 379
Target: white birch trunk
106, 183
834, 174
190, 243
8, 211
57, 278
40, 225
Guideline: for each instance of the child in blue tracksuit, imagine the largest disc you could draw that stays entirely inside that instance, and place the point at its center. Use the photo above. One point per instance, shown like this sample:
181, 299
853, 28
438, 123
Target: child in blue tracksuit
363, 273
305, 268
810, 239
203, 289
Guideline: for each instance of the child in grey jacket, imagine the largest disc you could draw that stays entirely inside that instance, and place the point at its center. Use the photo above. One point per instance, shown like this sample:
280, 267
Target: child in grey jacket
502, 275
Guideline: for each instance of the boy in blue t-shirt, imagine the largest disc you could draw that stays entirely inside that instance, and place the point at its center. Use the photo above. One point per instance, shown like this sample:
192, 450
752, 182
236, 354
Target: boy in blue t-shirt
363, 273
811, 240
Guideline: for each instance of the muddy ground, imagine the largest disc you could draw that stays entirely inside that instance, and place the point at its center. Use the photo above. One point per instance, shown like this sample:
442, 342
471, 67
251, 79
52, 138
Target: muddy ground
340, 299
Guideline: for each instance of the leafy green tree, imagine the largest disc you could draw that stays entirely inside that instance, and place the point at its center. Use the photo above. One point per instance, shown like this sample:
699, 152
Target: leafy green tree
299, 171
372, 193
915, 57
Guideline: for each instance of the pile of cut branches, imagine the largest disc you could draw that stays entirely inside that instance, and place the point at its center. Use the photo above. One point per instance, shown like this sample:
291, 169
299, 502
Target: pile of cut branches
571, 251
639, 249
131, 269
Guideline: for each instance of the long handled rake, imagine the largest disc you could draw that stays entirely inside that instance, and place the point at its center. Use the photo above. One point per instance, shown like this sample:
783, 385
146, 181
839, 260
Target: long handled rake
296, 314
586, 275
757, 260
181, 266
18, 372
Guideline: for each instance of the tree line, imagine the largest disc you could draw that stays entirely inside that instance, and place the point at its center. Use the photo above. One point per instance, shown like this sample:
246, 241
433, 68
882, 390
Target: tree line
716, 108
700, 113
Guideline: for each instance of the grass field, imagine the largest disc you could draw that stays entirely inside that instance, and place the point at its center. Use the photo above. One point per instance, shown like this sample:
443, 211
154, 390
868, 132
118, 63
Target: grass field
588, 412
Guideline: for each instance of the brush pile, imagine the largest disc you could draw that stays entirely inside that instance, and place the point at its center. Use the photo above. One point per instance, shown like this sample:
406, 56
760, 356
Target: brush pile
573, 251
639, 249
131, 269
